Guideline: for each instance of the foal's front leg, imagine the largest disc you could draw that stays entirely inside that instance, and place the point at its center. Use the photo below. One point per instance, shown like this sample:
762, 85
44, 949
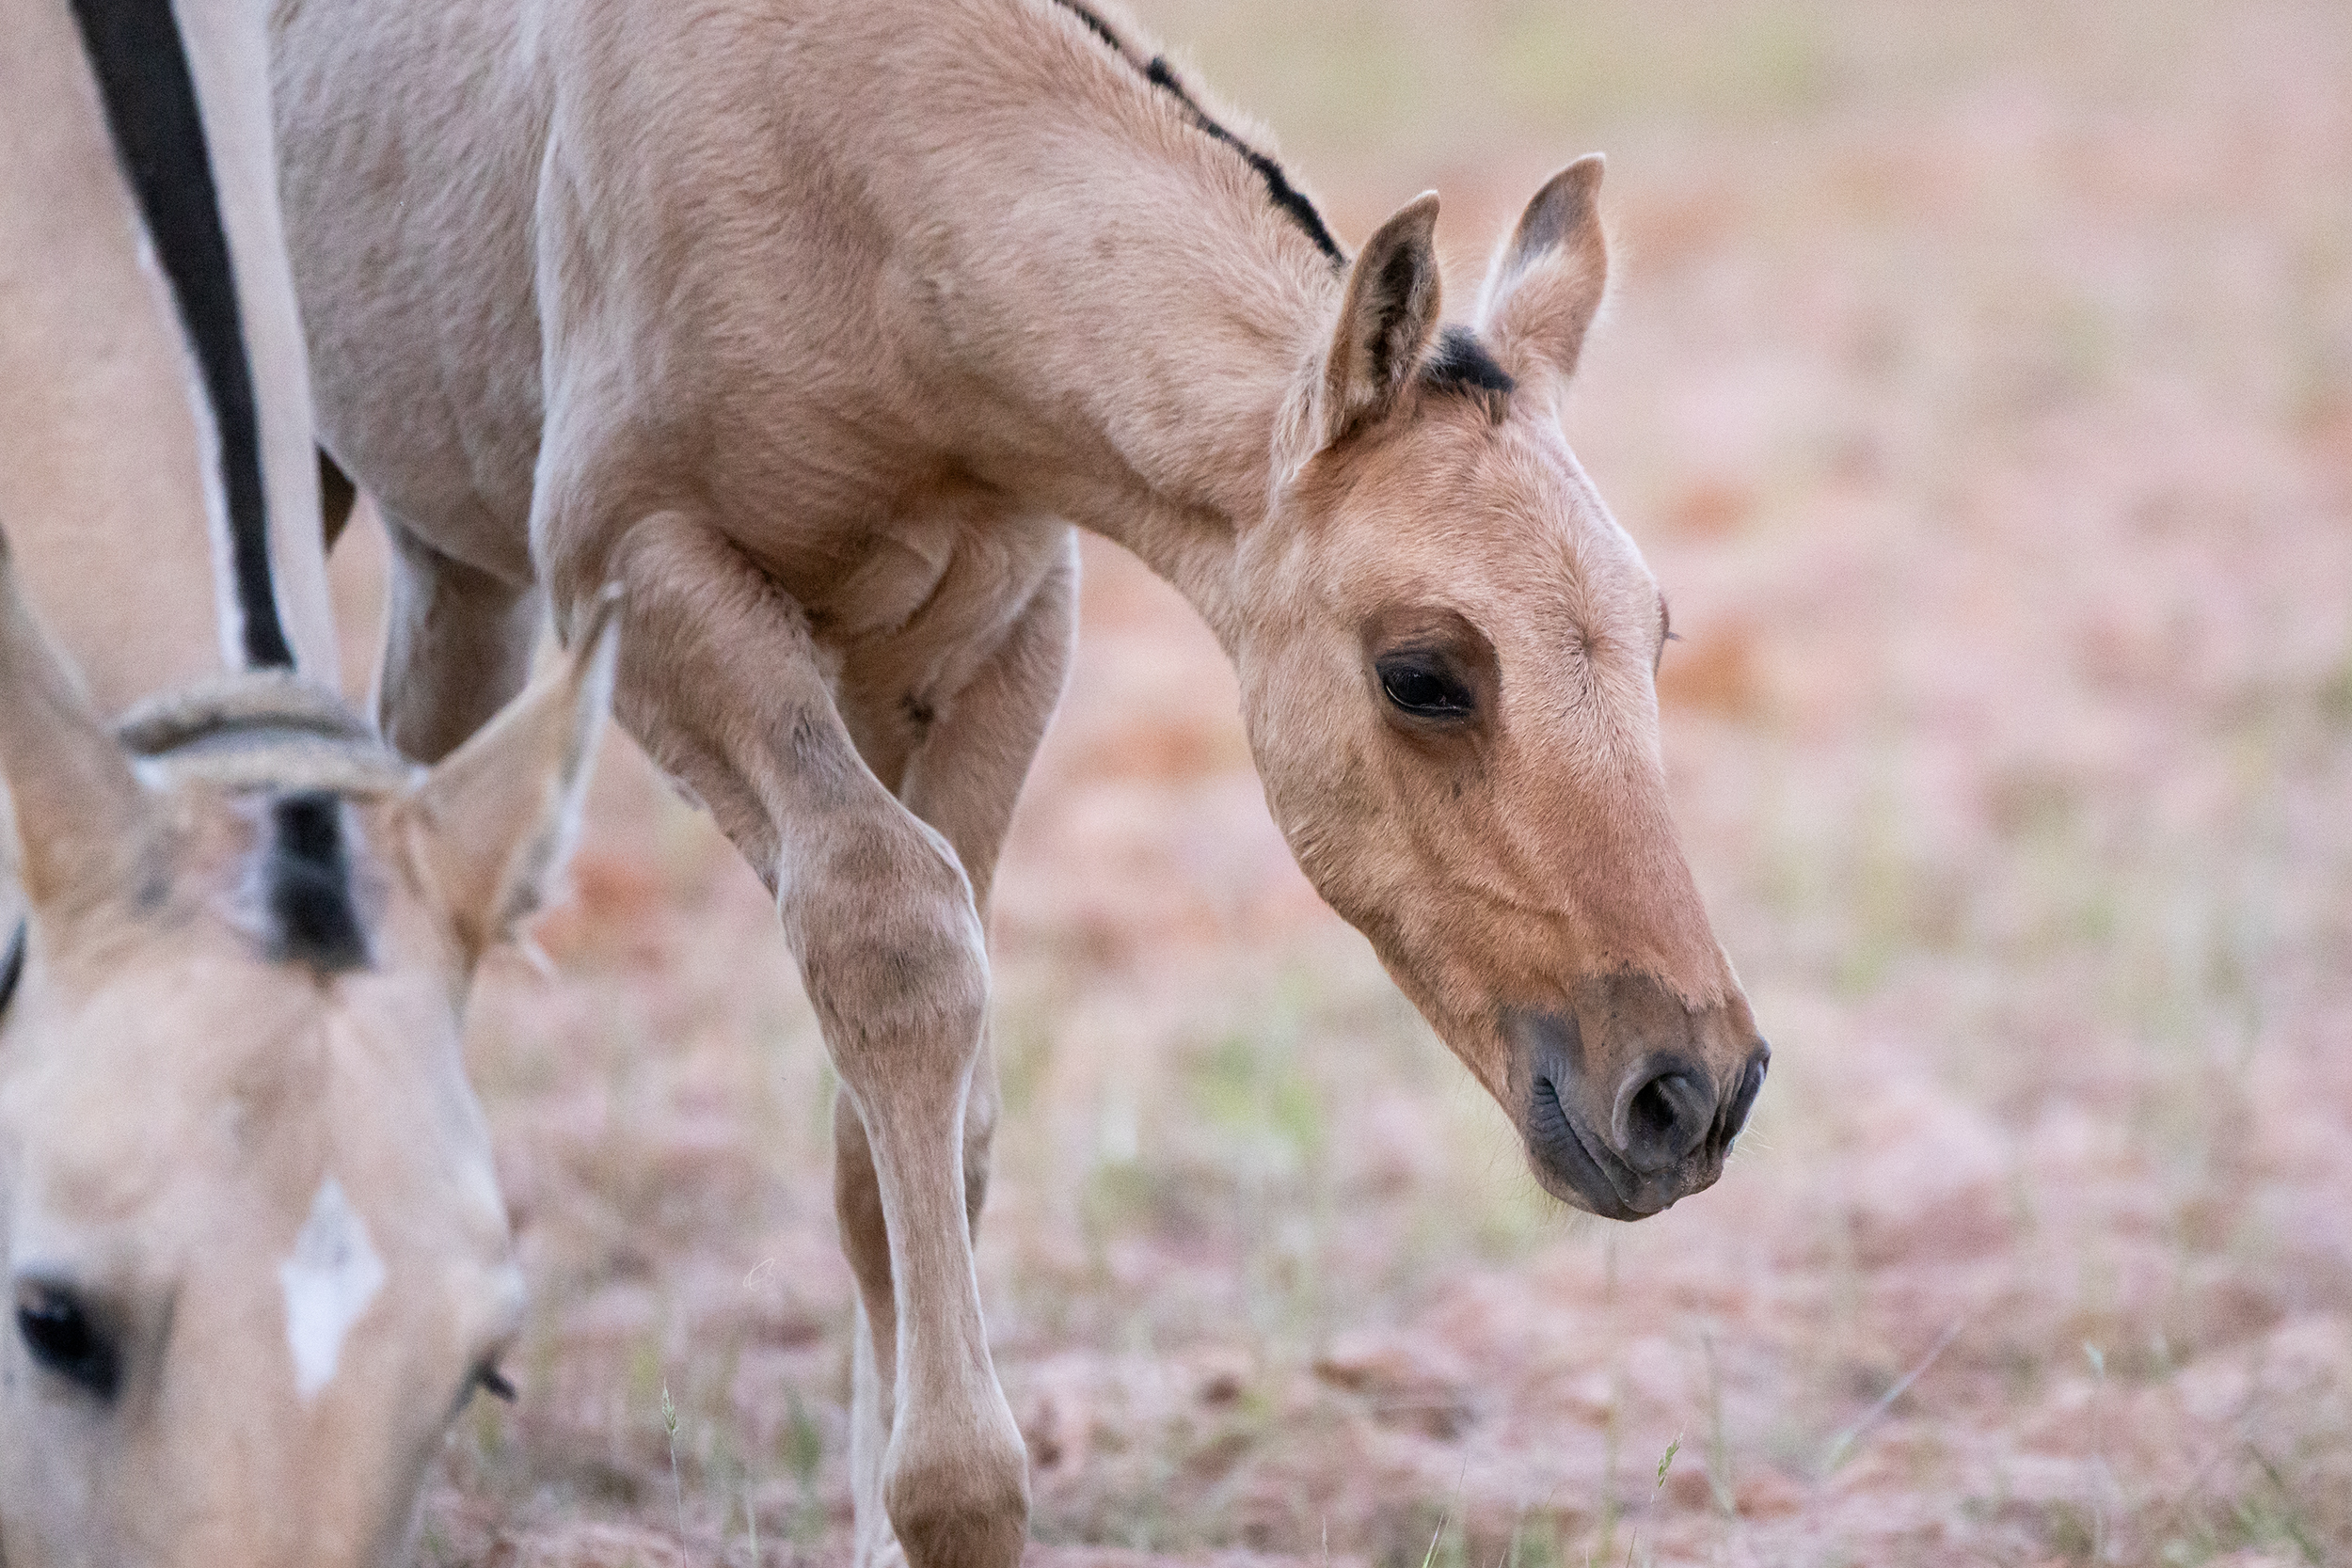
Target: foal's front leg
963, 779
721, 682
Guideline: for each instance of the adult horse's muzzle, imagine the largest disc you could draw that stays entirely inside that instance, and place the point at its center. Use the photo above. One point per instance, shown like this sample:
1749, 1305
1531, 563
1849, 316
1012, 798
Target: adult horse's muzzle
1628, 1141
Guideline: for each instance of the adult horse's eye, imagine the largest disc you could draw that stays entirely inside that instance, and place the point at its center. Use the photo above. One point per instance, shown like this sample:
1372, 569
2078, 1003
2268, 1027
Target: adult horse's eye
63, 1336
1423, 684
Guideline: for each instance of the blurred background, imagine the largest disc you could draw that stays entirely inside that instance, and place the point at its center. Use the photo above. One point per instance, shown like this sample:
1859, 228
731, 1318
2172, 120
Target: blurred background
1978, 382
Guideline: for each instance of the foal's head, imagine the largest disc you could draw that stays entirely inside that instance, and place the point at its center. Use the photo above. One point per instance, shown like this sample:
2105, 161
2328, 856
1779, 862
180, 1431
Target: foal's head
1447, 670
256, 1254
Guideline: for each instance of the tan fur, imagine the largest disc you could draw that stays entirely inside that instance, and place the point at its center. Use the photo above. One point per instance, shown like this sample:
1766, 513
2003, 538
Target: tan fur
811, 319
91, 355
172, 1098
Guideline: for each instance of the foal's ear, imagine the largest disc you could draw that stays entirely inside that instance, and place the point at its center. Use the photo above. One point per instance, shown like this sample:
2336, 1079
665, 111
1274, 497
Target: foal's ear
81, 816
490, 828
1546, 282
1386, 320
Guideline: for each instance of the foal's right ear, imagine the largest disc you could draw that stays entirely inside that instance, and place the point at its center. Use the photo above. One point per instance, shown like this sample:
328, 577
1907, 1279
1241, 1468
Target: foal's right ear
81, 816
490, 827
1546, 284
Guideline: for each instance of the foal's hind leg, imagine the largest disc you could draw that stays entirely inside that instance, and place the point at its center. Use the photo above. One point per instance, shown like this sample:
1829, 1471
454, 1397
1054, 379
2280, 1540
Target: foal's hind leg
457, 646
966, 776
962, 780
722, 683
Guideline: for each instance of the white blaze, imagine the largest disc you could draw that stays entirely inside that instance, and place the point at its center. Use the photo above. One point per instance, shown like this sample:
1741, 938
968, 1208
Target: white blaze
329, 1279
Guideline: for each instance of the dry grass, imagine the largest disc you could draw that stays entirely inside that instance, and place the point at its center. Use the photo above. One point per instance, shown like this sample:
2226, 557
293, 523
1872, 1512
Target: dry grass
1979, 381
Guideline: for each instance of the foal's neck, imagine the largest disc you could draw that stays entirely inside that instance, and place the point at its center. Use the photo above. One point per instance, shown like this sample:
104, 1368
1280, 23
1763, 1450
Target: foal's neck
1178, 330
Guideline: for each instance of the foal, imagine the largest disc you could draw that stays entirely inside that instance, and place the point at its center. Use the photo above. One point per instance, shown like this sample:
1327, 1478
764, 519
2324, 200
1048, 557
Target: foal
813, 321
255, 1254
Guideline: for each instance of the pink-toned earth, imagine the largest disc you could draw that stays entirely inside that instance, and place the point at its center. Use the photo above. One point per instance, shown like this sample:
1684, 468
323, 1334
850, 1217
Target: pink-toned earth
1979, 381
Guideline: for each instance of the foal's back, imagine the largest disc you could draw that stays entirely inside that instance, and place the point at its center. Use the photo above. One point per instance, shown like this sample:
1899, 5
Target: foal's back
789, 248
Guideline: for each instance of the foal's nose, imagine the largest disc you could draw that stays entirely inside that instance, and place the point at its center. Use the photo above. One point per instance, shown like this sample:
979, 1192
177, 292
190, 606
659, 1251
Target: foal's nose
1667, 1105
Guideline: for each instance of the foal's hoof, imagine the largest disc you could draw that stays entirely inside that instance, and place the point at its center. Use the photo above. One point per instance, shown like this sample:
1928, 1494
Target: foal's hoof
964, 1505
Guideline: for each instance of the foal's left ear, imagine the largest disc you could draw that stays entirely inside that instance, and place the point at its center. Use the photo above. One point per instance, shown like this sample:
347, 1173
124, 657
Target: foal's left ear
1386, 320
1546, 285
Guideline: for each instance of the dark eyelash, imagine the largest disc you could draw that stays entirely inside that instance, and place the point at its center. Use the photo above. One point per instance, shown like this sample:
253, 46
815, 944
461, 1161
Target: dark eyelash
492, 1381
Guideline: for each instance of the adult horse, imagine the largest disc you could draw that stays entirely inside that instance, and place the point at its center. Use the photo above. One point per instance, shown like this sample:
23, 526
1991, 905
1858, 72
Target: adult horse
817, 322
256, 1256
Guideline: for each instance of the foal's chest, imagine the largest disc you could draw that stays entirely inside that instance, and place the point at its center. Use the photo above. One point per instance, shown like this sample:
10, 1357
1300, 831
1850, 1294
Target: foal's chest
906, 613
947, 574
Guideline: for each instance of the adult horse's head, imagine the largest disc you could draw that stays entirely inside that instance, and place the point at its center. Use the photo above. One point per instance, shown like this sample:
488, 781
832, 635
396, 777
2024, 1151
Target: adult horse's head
256, 1256
1447, 671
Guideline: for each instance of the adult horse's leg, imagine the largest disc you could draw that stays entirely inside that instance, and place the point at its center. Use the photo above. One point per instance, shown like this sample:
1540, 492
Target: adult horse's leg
963, 779
457, 645
721, 682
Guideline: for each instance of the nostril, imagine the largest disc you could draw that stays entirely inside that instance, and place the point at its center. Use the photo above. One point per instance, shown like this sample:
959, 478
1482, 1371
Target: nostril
1743, 1097
1654, 1109
1662, 1113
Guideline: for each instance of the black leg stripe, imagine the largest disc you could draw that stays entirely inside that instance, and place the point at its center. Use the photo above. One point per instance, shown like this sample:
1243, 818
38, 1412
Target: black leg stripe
141, 64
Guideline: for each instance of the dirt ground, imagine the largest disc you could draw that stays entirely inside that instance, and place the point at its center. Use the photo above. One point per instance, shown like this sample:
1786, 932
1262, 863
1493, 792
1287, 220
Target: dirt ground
1978, 380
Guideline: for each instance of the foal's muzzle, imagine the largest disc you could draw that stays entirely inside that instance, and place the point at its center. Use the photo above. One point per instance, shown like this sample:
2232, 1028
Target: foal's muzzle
1628, 1142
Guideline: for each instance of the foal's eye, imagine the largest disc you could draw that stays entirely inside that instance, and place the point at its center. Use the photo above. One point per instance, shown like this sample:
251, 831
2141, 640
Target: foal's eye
63, 1336
1423, 684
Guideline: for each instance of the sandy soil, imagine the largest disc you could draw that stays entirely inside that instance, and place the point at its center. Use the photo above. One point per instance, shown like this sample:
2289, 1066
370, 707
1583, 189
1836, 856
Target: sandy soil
1979, 382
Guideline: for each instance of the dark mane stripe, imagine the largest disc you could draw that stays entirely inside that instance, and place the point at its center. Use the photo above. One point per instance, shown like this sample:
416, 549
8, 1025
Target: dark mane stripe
1279, 188
141, 64
1096, 25
1460, 363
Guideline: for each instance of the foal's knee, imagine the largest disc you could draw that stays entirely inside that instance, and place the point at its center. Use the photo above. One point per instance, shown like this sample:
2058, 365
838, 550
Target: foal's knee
892, 955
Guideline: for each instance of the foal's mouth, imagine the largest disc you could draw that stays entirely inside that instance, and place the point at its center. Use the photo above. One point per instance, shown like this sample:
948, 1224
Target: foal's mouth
1568, 1156
1660, 1121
